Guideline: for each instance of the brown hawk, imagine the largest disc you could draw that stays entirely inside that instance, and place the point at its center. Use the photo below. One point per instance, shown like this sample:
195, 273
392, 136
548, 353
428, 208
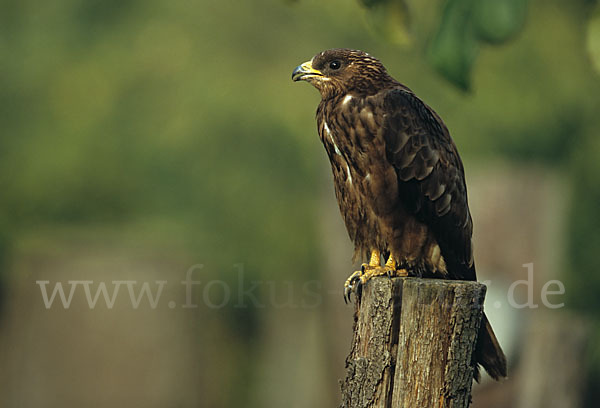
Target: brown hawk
399, 180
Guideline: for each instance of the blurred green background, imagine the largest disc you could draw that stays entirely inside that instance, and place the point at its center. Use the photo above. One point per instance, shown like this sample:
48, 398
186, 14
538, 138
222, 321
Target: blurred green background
140, 138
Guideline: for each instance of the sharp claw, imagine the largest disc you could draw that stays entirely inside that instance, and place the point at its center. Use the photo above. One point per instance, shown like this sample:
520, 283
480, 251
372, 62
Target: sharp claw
348, 294
354, 284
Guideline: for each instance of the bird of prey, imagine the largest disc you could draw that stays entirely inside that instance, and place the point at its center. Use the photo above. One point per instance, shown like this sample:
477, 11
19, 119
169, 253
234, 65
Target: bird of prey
399, 180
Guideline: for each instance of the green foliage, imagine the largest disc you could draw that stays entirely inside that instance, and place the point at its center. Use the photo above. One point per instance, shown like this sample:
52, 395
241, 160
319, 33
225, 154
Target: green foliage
583, 230
497, 21
372, 3
453, 37
454, 47
465, 24
593, 38
389, 20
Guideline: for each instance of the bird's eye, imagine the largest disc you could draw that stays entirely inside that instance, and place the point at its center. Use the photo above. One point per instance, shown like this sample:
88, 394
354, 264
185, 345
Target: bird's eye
335, 65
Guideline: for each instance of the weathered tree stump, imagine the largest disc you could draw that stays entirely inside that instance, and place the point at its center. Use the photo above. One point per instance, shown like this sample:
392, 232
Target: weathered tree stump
412, 344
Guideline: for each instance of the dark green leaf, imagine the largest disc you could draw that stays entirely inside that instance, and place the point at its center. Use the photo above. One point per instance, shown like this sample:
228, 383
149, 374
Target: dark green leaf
454, 47
497, 21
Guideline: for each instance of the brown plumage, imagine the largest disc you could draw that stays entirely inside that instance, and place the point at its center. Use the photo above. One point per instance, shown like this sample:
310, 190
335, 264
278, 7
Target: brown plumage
399, 180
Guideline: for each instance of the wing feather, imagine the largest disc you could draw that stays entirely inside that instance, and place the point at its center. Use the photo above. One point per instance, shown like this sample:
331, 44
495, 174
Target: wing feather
430, 175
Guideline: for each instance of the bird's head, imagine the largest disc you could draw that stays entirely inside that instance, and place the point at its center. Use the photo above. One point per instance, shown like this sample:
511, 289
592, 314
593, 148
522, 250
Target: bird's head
339, 71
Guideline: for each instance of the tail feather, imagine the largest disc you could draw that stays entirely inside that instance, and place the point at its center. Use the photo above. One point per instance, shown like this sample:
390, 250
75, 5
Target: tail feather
488, 352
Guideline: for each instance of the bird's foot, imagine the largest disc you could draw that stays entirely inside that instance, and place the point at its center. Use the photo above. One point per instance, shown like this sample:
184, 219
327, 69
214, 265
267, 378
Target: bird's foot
355, 282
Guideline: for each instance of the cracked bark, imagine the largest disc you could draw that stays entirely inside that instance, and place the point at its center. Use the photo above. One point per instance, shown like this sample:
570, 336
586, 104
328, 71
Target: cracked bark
412, 344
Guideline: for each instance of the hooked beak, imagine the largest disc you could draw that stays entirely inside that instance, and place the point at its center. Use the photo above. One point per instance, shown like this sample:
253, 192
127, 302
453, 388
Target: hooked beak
305, 71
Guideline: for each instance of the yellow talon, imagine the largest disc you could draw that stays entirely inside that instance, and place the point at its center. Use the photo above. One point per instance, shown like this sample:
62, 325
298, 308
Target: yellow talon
370, 270
391, 262
393, 265
375, 258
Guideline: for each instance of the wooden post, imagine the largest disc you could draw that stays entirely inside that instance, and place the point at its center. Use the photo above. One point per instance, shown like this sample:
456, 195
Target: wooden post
412, 344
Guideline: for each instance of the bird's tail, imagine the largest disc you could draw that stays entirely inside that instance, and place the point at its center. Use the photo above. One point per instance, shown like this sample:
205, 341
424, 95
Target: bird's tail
488, 352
